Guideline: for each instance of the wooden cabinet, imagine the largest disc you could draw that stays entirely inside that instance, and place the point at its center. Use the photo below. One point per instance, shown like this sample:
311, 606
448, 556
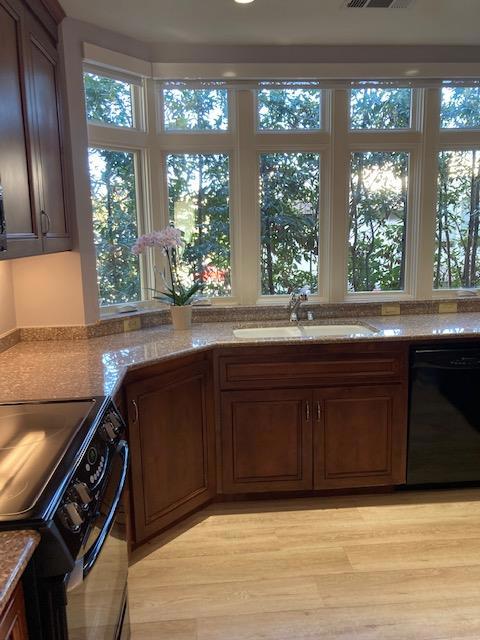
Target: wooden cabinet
359, 436
13, 625
266, 441
351, 397
46, 121
172, 442
16, 175
32, 175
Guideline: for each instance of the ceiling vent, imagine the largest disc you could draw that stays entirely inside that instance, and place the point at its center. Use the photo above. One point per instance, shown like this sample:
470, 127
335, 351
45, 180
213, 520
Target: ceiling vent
378, 4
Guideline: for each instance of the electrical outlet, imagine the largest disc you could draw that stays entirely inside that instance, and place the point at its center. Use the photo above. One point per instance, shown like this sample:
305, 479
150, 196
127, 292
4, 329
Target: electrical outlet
390, 309
132, 324
447, 307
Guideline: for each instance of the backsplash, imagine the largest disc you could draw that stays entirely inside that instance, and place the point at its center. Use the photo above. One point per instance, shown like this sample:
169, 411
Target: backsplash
266, 313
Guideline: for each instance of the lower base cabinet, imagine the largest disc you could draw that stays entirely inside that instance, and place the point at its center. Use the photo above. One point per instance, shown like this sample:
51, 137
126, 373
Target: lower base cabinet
359, 436
13, 624
172, 443
266, 441
329, 438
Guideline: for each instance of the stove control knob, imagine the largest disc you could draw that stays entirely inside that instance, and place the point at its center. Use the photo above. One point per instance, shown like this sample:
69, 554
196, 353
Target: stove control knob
108, 431
72, 516
115, 420
83, 494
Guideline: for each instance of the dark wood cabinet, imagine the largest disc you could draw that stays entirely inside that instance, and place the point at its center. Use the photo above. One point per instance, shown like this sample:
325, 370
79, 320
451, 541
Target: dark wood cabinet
172, 440
352, 397
266, 441
359, 436
32, 174
16, 174
13, 624
46, 120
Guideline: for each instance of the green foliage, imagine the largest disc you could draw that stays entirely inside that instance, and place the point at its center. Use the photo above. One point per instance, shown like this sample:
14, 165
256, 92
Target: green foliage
198, 200
380, 108
112, 177
195, 109
288, 109
108, 101
460, 107
378, 209
457, 260
289, 202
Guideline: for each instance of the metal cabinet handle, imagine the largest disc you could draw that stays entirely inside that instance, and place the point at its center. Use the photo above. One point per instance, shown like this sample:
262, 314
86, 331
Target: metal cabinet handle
135, 406
319, 411
44, 216
307, 411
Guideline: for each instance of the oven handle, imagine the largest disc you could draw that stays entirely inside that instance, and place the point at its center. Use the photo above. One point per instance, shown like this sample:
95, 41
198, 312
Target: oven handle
84, 565
91, 557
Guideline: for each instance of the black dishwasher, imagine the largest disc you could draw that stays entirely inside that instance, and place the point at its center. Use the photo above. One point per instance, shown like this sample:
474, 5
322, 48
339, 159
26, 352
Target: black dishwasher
444, 416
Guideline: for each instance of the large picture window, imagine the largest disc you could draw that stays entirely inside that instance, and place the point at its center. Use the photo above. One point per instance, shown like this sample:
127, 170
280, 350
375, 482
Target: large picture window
457, 253
378, 221
277, 185
198, 203
114, 207
289, 205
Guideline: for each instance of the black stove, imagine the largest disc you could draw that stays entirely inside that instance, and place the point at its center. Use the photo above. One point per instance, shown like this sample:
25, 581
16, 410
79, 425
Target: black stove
63, 467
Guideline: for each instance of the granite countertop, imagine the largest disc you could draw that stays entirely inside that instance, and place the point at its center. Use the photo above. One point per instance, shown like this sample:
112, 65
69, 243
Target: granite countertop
96, 366
16, 549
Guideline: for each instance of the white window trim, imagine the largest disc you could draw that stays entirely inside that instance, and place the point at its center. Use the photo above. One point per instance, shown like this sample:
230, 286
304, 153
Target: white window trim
243, 141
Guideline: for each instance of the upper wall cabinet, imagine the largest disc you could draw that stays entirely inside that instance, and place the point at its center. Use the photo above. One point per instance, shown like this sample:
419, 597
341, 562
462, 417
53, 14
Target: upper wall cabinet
32, 172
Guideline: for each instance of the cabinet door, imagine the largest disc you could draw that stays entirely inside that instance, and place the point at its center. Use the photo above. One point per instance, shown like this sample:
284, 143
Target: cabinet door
15, 169
172, 442
13, 625
360, 436
46, 122
266, 441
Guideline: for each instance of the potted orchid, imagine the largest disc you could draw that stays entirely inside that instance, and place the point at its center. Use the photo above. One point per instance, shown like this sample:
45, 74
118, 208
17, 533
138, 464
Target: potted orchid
176, 293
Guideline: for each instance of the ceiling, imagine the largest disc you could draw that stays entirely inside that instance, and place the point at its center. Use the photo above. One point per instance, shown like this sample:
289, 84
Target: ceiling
283, 22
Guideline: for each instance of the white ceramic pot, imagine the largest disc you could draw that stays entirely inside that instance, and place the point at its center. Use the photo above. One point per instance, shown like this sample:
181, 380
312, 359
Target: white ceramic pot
181, 317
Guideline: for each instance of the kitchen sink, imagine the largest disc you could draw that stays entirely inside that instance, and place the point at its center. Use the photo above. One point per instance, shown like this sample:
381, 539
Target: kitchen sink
304, 331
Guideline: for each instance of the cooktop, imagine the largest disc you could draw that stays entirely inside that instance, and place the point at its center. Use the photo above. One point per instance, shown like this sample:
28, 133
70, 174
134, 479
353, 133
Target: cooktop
34, 437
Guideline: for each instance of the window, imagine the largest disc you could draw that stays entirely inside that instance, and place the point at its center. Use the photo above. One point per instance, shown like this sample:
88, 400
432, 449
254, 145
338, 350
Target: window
288, 109
460, 107
198, 203
114, 206
378, 217
195, 109
380, 108
289, 204
109, 101
457, 252
277, 185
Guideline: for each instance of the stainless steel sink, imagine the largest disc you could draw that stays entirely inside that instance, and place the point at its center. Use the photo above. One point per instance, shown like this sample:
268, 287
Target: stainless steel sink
304, 331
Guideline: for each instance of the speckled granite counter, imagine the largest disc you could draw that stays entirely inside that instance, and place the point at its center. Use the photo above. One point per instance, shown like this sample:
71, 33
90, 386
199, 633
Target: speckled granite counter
16, 549
81, 368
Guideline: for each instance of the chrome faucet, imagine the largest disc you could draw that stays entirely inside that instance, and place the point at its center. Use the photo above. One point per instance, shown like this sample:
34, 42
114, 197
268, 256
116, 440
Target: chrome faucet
295, 303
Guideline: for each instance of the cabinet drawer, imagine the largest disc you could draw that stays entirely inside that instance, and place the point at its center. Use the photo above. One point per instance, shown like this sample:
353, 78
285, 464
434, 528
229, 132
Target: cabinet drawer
297, 368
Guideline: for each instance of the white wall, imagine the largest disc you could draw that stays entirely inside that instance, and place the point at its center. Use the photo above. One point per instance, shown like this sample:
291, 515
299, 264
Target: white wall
7, 299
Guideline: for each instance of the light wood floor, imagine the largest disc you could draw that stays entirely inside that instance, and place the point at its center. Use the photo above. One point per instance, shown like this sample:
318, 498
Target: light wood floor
403, 566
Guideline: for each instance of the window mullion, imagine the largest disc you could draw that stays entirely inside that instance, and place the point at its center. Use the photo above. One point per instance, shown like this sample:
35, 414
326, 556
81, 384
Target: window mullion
426, 222
339, 200
245, 210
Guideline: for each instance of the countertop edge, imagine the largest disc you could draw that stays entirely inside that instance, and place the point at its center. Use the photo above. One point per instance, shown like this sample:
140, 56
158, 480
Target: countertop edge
16, 549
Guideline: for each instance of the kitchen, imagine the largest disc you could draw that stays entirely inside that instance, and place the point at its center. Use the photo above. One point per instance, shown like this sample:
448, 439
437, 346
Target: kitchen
239, 330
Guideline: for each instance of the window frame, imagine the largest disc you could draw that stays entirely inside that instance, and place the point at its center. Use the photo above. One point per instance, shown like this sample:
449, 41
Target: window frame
334, 141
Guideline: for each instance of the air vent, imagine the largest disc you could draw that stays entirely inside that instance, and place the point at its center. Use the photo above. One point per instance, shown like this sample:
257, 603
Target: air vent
378, 4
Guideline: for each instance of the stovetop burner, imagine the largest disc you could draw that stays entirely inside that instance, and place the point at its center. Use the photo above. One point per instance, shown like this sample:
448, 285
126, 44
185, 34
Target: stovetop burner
33, 440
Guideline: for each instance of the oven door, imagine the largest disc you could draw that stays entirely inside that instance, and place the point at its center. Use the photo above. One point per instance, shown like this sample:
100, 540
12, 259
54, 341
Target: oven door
97, 605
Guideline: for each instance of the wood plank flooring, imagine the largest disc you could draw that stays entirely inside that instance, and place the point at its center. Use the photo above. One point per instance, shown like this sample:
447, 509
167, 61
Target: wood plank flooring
402, 566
